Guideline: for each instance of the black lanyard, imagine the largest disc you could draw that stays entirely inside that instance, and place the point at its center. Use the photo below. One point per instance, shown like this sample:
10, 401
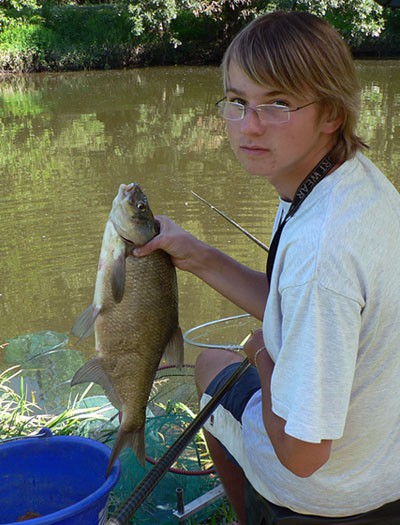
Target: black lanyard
303, 191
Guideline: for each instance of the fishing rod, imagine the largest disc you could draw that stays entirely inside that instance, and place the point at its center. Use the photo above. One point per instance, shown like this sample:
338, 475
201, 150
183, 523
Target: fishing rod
154, 476
234, 223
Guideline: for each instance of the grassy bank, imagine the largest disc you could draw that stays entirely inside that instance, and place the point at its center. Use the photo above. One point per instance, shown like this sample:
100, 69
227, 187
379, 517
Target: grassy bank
69, 38
108, 36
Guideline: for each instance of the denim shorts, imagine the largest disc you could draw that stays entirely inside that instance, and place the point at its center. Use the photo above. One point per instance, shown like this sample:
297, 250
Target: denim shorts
225, 423
237, 397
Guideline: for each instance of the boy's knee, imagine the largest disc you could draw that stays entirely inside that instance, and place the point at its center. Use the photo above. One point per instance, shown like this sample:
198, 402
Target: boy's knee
202, 370
209, 363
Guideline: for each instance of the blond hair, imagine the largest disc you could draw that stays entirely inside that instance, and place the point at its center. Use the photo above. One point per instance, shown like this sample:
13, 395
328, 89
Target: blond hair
299, 53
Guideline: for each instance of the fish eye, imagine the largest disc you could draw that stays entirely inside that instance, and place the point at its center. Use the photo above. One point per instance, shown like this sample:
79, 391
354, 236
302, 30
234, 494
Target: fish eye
141, 206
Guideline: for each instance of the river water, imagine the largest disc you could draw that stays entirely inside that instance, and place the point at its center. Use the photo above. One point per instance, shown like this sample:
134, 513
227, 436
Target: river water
68, 140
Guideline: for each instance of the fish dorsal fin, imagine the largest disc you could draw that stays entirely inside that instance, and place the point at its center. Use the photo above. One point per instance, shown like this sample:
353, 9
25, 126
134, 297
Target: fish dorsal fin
174, 350
94, 372
118, 273
84, 325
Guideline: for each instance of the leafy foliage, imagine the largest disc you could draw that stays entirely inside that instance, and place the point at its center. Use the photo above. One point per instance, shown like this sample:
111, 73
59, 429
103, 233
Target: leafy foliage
18, 4
354, 20
233, 14
152, 16
78, 34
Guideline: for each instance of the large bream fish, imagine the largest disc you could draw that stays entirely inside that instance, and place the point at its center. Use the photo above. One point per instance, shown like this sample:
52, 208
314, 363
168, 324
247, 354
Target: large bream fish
134, 314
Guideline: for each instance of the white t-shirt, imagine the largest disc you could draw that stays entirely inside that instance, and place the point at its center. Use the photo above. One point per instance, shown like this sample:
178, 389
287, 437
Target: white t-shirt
332, 327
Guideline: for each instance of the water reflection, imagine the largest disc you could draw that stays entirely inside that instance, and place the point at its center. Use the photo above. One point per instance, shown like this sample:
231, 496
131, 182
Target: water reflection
68, 141
380, 123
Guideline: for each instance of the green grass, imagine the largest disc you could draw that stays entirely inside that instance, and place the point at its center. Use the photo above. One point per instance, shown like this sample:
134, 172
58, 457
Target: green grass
21, 417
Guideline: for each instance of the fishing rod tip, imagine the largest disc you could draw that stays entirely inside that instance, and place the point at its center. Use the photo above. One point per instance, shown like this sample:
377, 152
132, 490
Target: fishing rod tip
196, 195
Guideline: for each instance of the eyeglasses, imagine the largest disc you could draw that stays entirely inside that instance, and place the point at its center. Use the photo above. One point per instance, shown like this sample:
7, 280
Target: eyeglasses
268, 113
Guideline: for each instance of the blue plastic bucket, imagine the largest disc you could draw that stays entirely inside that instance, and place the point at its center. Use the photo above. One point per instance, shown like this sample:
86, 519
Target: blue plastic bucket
60, 478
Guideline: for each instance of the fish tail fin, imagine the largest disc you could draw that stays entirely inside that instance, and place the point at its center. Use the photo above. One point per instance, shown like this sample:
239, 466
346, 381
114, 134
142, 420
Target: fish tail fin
174, 350
138, 444
134, 439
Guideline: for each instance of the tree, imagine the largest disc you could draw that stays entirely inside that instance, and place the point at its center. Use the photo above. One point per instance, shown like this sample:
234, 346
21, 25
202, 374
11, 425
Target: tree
153, 17
233, 14
17, 4
356, 21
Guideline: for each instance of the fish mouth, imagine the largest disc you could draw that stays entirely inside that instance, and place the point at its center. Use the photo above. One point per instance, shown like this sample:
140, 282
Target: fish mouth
126, 190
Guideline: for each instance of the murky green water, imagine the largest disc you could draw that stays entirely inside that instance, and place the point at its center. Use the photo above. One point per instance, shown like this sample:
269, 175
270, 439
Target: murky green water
68, 140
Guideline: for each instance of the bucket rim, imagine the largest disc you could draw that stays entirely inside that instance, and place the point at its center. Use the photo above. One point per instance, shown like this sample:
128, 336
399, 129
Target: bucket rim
83, 504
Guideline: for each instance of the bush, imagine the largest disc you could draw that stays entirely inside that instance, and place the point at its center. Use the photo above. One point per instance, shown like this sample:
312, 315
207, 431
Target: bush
201, 29
81, 26
24, 42
389, 42
67, 38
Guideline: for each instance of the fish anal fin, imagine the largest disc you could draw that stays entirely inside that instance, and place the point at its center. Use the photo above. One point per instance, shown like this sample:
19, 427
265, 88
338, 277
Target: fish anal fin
118, 274
134, 439
84, 325
173, 352
93, 372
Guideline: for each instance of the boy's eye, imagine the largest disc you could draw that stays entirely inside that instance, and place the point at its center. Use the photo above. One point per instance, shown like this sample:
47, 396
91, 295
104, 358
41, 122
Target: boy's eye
238, 101
280, 103
272, 103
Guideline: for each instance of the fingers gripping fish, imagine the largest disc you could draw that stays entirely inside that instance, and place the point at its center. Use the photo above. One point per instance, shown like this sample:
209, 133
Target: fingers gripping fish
134, 315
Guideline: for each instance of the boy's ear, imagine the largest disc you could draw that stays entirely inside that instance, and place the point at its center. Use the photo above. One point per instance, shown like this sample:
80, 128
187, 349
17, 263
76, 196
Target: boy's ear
330, 126
331, 121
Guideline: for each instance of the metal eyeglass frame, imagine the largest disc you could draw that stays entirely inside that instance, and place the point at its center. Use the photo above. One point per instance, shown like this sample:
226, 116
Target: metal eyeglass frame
258, 110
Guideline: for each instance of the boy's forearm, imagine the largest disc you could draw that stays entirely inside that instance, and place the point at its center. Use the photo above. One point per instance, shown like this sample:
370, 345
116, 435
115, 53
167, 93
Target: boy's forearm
244, 287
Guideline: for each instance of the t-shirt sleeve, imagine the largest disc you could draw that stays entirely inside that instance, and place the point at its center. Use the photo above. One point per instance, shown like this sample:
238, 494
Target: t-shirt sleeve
313, 375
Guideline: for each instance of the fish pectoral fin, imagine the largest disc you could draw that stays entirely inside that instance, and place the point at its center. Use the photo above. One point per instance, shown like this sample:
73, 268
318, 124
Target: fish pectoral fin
118, 274
173, 352
135, 440
93, 372
84, 325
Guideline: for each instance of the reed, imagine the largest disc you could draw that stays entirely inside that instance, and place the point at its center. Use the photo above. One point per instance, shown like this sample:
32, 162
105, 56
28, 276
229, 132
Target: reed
22, 417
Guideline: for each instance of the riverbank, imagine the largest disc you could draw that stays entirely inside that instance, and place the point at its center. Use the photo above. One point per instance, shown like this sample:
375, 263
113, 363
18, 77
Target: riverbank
113, 36
105, 36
